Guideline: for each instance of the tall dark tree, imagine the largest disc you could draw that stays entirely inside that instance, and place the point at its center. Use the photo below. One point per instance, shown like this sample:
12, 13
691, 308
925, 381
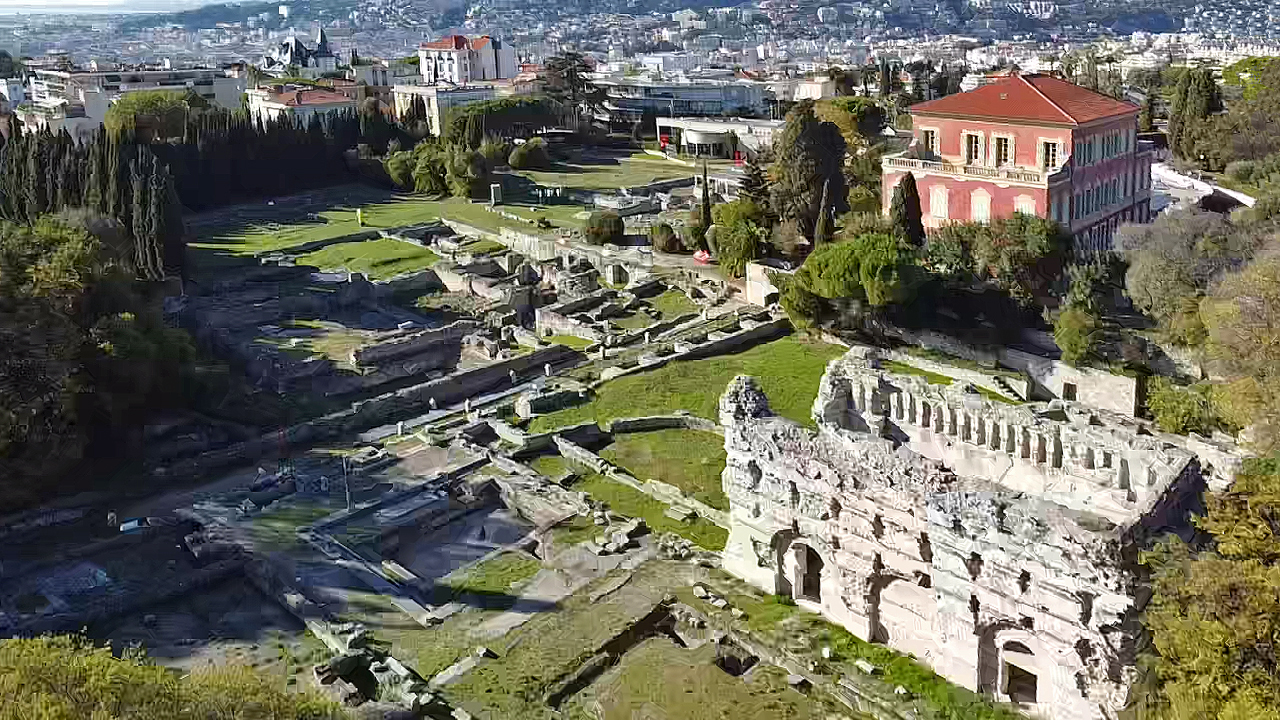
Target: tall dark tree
809, 153
822, 229
755, 182
706, 203
905, 213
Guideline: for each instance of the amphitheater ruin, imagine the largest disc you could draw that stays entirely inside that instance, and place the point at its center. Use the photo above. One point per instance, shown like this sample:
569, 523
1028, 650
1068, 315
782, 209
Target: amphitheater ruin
998, 543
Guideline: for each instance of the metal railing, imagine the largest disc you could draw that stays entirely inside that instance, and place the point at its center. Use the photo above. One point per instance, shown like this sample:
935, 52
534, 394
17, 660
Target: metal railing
982, 171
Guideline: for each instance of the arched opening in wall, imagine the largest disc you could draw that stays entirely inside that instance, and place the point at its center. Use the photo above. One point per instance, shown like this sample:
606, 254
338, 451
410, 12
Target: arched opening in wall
809, 582
1019, 682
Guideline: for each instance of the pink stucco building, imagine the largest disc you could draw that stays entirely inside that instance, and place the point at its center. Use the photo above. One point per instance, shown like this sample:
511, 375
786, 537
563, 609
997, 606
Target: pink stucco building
1028, 143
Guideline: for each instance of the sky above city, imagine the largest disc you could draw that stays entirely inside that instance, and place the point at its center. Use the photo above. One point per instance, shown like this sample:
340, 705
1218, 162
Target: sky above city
41, 7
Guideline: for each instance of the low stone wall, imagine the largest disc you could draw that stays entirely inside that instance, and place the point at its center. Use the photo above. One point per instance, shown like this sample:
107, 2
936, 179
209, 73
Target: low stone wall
414, 343
534, 247
449, 390
738, 340
1019, 386
531, 404
310, 247
656, 330
420, 282
130, 599
1096, 388
656, 489
551, 321
661, 186
682, 421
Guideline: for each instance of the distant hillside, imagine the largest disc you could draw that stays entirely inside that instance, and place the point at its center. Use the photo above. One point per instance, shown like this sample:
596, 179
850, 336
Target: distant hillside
202, 17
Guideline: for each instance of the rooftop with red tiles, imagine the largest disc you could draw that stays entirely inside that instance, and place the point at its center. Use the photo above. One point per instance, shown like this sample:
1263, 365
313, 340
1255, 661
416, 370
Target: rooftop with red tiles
1030, 97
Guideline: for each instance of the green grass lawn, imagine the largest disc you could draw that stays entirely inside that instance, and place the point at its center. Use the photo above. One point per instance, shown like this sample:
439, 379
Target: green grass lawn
692, 460
932, 378
483, 246
788, 370
551, 466
633, 503
672, 304
668, 306
331, 340
572, 341
377, 259
635, 321
574, 530
426, 650
533, 657
405, 210
495, 576
937, 379
276, 528
291, 232
564, 216
637, 169
686, 684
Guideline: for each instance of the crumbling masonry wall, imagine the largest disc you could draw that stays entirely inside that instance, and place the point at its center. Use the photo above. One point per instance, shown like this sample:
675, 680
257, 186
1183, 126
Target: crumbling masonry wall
996, 543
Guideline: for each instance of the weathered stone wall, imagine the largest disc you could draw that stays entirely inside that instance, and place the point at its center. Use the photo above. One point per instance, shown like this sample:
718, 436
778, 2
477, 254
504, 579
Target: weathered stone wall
996, 543
413, 343
389, 407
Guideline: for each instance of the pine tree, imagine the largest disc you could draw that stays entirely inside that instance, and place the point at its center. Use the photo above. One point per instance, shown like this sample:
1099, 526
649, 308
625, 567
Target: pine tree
706, 198
1146, 117
809, 153
755, 183
822, 229
904, 211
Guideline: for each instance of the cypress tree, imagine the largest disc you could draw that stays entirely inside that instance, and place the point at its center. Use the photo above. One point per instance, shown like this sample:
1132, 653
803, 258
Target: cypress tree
755, 183
904, 211
706, 204
822, 229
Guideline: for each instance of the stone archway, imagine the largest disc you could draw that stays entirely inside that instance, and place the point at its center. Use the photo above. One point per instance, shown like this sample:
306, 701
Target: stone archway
808, 581
803, 572
1012, 665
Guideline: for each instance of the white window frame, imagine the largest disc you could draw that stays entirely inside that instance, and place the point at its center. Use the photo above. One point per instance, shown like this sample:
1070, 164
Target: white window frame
1040, 158
936, 149
980, 155
1024, 204
939, 196
1013, 149
980, 198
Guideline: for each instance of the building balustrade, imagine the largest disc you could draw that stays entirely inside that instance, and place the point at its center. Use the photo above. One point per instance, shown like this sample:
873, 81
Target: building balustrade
1016, 174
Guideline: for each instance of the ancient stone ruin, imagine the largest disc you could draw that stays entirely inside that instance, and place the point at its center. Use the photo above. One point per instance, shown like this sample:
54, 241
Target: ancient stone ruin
998, 543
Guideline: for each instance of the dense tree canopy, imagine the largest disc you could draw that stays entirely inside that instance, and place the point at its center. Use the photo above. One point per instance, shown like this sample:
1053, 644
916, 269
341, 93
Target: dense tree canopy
1215, 613
86, 352
69, 678
809, 153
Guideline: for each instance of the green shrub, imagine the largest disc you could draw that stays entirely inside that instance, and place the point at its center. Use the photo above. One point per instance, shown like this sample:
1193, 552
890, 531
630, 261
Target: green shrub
664, 239
1075, 333
532, 155
1180, 409
605, 227
495, 150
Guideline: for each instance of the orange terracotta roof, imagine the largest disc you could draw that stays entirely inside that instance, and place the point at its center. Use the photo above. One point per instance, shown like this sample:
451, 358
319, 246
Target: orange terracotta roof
480, 42
298, 98
1037, 98
448, 42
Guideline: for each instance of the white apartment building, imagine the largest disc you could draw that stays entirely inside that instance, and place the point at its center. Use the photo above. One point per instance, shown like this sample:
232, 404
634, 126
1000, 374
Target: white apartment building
459, 60
77, 100
300, 103
438, 100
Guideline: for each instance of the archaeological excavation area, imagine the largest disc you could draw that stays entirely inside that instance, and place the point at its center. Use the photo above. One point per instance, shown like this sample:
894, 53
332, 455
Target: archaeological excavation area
495, 475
